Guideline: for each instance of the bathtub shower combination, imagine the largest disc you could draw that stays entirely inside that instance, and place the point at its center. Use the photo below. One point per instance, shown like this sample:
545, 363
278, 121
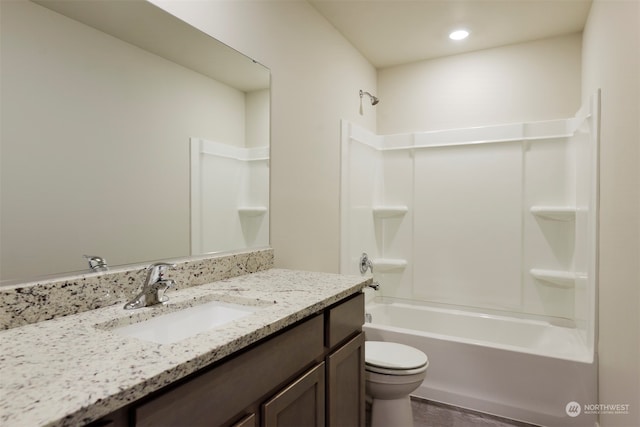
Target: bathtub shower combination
483, 241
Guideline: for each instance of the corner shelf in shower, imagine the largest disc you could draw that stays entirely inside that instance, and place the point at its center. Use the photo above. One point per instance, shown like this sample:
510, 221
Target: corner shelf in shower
248, 211
390, 211
557, 213
555, 278
389, 264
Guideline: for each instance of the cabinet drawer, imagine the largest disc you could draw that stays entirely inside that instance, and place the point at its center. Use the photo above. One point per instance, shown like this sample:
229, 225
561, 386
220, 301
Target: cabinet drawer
344, 320
217, 395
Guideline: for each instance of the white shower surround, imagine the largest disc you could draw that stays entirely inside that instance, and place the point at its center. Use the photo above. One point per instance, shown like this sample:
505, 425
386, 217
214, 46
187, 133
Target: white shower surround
418, 205
229, 187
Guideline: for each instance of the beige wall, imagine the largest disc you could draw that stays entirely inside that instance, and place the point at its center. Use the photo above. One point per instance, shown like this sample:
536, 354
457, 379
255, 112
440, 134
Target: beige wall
316, 75
611, 61
533, 81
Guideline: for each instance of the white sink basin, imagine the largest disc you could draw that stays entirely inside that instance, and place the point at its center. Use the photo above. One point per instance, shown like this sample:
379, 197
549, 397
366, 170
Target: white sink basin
187, 322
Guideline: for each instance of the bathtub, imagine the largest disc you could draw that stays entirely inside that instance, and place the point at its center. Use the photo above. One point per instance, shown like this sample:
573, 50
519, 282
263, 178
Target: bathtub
525, 369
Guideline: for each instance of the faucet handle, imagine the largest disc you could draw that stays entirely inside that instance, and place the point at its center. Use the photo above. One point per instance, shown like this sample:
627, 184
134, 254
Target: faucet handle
156, 271
160, 267
161, 264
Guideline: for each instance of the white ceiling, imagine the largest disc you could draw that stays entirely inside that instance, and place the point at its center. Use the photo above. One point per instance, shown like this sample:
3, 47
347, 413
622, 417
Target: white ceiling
392, 32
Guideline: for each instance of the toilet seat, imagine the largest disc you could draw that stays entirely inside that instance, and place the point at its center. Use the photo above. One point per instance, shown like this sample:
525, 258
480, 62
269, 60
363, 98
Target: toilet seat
394, 359
395, 372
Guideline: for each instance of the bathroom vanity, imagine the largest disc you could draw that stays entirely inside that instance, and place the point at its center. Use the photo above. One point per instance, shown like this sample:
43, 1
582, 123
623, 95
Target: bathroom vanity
299, 357
307, 374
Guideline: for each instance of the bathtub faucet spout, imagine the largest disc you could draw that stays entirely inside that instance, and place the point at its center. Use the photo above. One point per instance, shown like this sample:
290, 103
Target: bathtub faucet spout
374, 285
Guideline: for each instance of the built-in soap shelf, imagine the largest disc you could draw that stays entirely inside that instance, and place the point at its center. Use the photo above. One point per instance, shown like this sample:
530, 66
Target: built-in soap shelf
556, 278
390, 211
248, 211
557, 213
389, 264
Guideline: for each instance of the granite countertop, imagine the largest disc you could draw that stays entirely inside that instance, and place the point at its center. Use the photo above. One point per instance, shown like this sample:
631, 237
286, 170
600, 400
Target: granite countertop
72, 370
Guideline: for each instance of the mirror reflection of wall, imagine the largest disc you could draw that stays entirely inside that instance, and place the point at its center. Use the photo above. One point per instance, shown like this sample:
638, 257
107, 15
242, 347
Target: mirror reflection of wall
95, 144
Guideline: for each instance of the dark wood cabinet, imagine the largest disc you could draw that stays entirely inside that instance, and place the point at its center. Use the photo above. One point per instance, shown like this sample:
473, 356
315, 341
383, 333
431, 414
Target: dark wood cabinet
311, 374
345, 384
217, 397
344, 340
301, 404
250, 420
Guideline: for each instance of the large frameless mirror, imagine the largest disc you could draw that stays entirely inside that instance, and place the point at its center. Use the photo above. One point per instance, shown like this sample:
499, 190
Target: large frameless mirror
128, 134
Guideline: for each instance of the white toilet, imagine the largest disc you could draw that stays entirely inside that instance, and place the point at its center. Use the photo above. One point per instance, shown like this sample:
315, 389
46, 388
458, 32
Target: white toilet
393, 371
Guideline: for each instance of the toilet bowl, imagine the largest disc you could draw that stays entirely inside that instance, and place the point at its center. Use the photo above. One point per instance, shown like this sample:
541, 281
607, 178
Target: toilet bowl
392, 372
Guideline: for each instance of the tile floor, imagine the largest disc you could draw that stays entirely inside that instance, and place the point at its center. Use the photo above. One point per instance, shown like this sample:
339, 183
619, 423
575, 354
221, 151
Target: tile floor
433, 414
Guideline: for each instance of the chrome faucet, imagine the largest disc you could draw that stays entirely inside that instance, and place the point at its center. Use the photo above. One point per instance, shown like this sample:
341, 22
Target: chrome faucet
155, 285
365, 265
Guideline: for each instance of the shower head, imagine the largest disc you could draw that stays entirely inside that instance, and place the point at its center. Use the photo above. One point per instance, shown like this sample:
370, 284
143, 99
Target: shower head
374, 99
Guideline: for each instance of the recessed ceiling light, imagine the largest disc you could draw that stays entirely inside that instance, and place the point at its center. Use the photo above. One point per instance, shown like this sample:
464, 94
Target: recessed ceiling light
459, 35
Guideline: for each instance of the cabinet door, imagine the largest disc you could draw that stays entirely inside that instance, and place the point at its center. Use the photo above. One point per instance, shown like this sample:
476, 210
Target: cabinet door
248, 421
119, 418
301, 404
345, 384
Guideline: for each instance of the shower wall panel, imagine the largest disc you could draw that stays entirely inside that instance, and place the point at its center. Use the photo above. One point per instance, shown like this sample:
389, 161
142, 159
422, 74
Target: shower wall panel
362, 178
254, 204
395, 233
468, 225
548, 243
586, 147
221, 208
